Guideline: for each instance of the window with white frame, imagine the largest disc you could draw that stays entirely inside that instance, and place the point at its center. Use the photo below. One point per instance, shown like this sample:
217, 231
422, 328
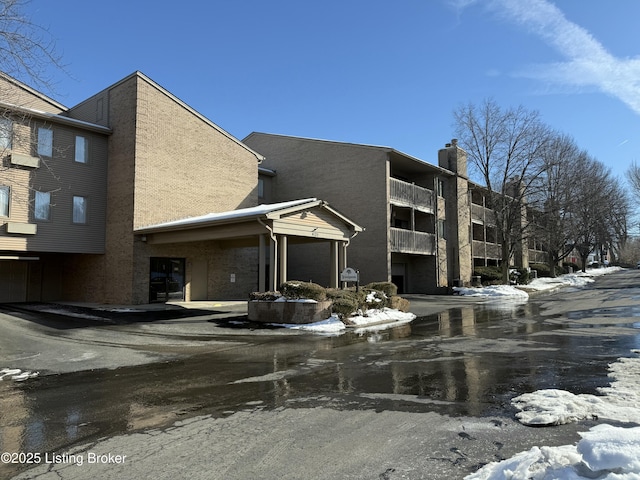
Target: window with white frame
5, 193
82, 150
42, 206
79, 209
45, 142
6, 133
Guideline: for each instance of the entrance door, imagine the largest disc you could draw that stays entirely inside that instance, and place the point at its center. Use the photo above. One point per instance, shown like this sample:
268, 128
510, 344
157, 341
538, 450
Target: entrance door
13, 281
398, 271
166, 279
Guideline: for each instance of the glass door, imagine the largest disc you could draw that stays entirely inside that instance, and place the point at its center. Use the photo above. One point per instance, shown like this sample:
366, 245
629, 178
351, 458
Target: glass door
166, 279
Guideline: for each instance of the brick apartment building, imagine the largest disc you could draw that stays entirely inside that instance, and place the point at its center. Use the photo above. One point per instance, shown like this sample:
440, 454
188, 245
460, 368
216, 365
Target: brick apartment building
427, 225
89, 196
132, 196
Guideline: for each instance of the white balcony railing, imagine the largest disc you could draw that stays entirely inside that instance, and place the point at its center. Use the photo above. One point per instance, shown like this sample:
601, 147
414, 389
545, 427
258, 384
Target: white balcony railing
409, 241
411, 195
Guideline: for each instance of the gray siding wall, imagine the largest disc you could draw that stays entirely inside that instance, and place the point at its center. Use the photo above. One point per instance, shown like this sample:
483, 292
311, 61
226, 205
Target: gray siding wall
64, 177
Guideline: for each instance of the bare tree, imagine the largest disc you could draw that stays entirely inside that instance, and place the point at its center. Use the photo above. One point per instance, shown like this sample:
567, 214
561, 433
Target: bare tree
600, 209
27, 50
633, 177
27, 57
505, 149
553, 198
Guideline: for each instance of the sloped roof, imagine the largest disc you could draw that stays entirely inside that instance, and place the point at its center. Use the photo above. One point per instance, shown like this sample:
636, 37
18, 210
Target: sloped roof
266, 211
184, 105
397, 154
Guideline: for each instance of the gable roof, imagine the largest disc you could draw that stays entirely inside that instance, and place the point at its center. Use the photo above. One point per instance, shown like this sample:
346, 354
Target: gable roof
265, 211
172, 97
392, 152
56, 107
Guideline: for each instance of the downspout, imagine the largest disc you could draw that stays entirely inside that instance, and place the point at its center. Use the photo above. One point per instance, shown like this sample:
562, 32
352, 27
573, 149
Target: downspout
274, 266
436, 220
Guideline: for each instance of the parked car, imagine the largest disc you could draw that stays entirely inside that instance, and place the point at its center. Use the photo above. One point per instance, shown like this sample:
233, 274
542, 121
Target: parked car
638, 265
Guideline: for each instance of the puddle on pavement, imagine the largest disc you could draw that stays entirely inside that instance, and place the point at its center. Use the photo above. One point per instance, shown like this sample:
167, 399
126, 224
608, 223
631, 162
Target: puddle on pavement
464, 361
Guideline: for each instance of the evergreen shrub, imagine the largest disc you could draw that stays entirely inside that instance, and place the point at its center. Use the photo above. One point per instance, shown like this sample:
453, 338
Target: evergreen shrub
294, 290
488, 274
390, 289
541, 268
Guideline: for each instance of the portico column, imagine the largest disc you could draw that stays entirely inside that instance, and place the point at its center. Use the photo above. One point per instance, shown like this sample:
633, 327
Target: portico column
262, 263
334, 275
342, 258
282, 247
273, 261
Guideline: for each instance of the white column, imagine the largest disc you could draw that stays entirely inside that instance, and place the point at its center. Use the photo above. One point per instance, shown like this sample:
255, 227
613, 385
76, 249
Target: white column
334, 270
273, 262
342, 259
282, 247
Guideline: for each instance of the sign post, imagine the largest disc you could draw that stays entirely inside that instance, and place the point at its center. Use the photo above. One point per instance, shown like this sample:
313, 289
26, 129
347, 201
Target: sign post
351, 275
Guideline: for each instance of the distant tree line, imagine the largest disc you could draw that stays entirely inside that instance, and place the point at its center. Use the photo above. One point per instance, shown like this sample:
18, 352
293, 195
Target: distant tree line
541, 184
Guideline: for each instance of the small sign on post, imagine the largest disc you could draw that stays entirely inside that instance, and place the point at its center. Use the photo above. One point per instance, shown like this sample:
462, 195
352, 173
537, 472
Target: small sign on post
350, 275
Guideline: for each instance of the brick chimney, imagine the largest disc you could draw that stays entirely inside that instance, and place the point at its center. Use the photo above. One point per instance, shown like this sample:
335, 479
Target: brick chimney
453, 158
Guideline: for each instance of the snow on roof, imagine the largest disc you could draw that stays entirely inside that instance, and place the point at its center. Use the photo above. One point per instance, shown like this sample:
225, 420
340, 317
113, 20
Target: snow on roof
231, 215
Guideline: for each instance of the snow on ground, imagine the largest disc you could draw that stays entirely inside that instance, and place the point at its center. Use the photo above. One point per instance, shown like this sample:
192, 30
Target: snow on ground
579, 279
371, 320
620, 401
604, 452
16, 374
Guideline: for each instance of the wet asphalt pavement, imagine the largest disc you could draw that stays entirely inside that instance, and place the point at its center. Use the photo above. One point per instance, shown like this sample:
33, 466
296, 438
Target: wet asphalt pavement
429, 399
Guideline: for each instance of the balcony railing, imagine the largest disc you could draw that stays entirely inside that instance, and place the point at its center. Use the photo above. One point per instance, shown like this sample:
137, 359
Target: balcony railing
411, 195
486, 250
409, 241
482, 214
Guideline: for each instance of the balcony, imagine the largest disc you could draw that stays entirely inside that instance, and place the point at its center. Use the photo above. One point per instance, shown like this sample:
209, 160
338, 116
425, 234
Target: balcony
409, 241
411, 195
486, 250
482, 214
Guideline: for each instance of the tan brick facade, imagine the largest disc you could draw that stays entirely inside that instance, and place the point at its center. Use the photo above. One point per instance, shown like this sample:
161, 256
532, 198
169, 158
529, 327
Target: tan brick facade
155, 160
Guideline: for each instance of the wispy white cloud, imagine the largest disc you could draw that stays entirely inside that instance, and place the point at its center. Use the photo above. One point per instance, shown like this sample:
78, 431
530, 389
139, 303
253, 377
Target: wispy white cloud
588, 63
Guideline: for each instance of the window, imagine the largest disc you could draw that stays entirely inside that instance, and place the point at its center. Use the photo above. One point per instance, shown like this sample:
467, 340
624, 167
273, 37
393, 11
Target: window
440, 187
442, 230
4, 200
6, 133
42, 209
260, 188
79, 209
82, 151
45, 142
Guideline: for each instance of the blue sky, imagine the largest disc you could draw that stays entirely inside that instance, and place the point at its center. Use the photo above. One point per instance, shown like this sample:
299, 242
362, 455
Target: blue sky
375, 72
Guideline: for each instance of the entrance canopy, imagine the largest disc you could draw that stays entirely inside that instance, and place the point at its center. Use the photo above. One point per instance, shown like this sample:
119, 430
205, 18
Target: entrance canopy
296, 221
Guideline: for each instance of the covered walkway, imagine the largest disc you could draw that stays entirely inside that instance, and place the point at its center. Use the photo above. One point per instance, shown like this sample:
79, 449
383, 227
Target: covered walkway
271, 228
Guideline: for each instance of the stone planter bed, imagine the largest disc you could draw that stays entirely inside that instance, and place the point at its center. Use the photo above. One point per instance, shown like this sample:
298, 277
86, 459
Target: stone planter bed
289, 311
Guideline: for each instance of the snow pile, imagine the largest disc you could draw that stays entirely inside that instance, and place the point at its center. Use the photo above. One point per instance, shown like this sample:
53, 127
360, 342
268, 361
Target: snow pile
294, 300
378, 318
491, 291
605, 451
579, 279
16, 374
332, 325
380, 315
620, 401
